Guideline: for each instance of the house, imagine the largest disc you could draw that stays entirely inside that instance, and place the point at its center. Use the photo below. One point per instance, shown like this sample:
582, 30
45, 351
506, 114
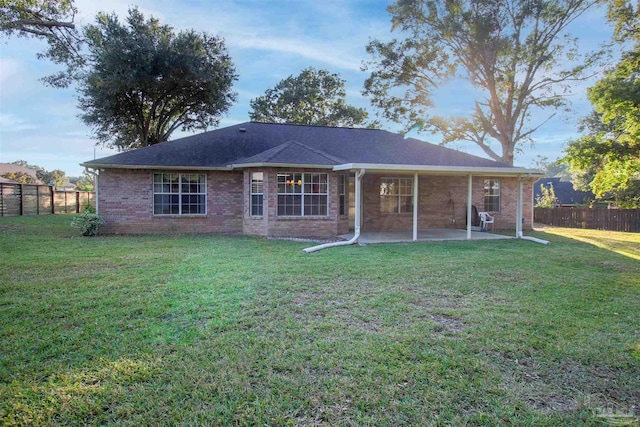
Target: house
10, 172
564, 192
282, 180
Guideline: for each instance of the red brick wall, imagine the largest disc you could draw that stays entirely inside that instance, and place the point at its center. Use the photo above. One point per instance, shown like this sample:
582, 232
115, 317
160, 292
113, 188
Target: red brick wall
126, 203
273, 225
442, 203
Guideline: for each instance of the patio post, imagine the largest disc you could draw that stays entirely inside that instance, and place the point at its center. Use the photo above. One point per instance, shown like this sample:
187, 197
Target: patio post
469, 202
519, 209
415, 207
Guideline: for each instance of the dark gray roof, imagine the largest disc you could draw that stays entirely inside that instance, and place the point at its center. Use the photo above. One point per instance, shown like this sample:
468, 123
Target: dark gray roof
564, 191
269, 143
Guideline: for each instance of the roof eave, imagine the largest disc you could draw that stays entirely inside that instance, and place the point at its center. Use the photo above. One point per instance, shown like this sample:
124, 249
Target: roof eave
443, 170
279, 165
172, 167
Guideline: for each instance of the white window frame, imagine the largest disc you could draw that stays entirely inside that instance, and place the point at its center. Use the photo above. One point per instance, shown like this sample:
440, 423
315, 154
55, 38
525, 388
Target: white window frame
487, 189
396, 192
300, 180
343, 209
253, 192
178, 193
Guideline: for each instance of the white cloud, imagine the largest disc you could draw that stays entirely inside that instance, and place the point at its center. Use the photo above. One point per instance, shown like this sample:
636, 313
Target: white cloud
12, 124
8, 68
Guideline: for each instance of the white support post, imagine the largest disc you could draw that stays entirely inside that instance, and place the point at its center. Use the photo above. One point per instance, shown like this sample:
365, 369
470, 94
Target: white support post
519, 209
415, 207
469, 204
358, 213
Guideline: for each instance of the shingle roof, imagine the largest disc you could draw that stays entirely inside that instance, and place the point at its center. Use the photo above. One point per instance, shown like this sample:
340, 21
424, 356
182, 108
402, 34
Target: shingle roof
563, 190
269, 143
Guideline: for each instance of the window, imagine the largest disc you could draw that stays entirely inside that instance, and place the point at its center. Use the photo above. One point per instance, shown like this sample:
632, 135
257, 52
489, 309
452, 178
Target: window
396, 195
257, 193
342, 185
179, 194
302, 194
491, 195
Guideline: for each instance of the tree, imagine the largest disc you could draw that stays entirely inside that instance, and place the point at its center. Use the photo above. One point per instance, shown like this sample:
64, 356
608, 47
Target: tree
21, 177
513, 52
314, 97
85, 182
40, 18
143, 81
49, 20
607, 158
547, 197
56, 176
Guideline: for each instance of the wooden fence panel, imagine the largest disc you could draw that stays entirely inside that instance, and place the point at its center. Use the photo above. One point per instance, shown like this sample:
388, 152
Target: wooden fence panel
11, 199
627, 220
28, 199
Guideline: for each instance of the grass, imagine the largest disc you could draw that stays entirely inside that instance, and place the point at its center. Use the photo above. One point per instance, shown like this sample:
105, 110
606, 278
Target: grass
242, 331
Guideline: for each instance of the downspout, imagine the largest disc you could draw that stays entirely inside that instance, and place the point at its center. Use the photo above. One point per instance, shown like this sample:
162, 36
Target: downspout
95, 177
356, 234
519, 218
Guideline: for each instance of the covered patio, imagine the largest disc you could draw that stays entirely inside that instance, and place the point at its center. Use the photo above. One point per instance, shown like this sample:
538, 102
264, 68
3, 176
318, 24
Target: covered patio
426, 235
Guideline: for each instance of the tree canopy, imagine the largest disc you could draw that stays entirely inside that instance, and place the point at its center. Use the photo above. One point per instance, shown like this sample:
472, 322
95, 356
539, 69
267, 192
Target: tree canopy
514, 52
40, 18
607, 158
143, 80
49, 20
314, 97
56, 176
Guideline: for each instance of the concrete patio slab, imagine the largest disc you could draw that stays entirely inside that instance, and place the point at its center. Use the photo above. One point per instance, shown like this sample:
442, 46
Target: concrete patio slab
433, 234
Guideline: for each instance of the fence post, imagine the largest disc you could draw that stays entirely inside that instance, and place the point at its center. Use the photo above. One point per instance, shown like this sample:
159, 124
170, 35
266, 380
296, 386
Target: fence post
53, 199
21, 199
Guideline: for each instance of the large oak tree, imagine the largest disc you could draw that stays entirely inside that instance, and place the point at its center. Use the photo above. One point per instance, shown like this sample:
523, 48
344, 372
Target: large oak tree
314, 97
52, 21
143, 81
514, 52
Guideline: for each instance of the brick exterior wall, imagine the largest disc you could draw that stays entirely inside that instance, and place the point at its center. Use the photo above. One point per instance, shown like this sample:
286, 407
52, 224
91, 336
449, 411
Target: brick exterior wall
442, 203
126, 203
272, 225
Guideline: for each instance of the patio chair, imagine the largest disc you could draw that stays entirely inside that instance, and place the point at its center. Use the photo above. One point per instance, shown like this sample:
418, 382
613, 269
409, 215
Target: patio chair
485, 220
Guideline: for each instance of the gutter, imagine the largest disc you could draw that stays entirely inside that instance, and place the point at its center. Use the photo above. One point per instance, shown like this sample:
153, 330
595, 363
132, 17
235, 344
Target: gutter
445, 170
532, 239
356, 234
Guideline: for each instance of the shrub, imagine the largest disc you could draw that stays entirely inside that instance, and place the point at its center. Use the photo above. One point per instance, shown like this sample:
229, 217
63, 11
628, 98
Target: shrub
87, 222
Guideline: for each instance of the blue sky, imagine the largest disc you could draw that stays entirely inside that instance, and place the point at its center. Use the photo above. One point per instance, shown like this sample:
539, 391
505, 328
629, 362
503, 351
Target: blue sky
268, 41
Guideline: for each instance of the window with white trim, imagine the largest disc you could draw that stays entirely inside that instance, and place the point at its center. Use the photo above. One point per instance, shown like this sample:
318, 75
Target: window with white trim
257, 193
179, 194
396, 195
492, 195
342, 186
303, 194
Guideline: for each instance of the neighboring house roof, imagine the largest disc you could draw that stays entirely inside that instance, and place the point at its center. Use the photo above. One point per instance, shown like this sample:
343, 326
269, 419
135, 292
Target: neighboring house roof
564, 191
11, 168
269, 144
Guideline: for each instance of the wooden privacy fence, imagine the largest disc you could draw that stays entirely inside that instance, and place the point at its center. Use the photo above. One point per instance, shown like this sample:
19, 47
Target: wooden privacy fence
592, 218
30, 199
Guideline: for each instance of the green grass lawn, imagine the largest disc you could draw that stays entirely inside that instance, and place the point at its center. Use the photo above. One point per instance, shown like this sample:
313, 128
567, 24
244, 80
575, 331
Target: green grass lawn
240, 331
